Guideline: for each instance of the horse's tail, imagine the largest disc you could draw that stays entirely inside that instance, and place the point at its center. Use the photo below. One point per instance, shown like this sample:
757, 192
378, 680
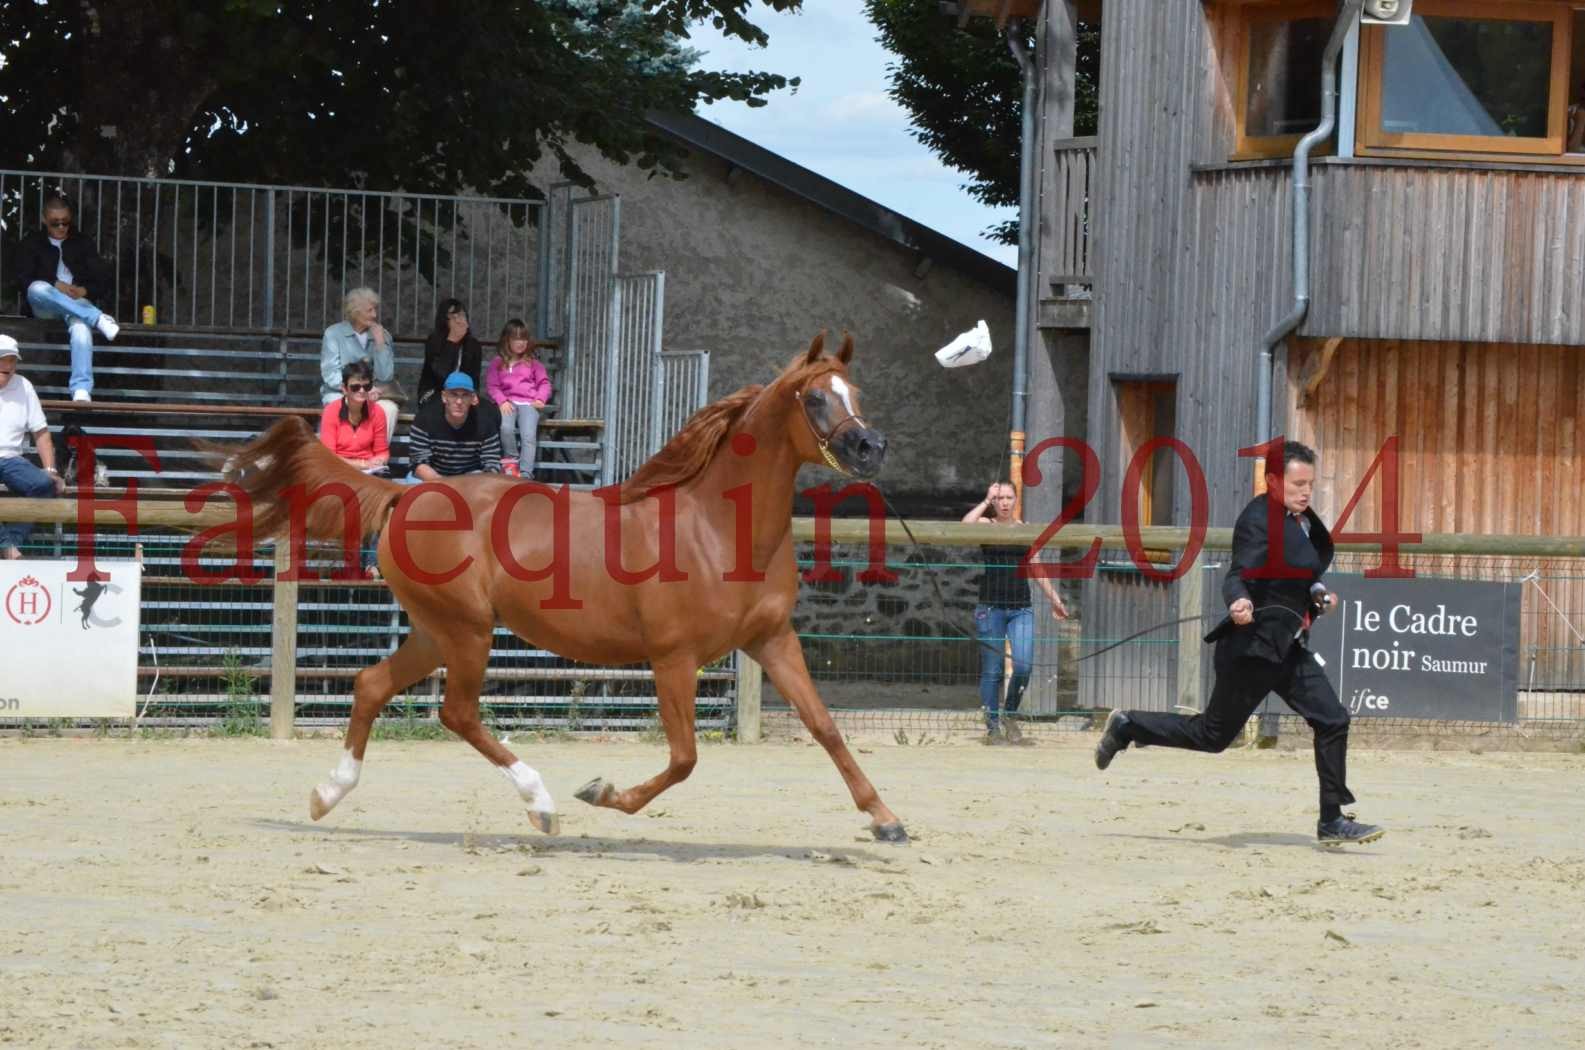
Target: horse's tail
288, 473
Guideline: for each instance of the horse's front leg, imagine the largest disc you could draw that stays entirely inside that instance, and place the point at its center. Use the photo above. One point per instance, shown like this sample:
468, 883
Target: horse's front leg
676, 685
783, 659
459, 712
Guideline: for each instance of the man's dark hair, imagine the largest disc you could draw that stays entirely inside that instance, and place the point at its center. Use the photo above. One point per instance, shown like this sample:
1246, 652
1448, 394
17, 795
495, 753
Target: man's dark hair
1297, 452
357, 370
58, 199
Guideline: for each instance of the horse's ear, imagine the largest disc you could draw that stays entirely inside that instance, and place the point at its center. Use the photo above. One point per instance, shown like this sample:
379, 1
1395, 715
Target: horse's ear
816, 348
846, 353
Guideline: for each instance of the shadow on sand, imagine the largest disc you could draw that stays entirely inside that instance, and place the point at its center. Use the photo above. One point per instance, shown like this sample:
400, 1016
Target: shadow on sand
1248, 840
550, 845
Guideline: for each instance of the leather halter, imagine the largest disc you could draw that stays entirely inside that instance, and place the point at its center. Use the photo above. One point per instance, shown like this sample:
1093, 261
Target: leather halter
824, 440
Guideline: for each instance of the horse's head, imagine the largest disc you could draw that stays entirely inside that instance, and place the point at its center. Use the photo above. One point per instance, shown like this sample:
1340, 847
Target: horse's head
836, 434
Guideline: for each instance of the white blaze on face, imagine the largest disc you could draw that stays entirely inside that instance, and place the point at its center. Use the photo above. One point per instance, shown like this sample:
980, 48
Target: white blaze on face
840, 389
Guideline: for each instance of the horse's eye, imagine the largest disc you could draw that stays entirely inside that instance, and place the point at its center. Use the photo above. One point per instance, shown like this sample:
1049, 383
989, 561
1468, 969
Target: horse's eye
815, 397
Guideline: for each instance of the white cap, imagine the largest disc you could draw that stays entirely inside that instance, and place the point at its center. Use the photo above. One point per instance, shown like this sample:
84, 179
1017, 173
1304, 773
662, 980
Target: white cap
8, 347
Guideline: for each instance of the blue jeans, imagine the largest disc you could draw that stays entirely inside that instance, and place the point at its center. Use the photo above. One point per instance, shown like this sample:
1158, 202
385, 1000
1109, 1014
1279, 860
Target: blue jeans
23, 479
519, 435
80, 315
993, 623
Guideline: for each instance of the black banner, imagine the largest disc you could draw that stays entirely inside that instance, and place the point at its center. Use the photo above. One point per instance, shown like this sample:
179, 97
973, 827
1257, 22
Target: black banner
1423, 648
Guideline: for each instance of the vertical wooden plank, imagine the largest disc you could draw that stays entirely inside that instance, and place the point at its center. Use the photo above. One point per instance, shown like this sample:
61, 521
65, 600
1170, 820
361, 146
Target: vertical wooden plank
1190, 647
283, 649
1545, 431
1460, 482
1486, 451
750, 688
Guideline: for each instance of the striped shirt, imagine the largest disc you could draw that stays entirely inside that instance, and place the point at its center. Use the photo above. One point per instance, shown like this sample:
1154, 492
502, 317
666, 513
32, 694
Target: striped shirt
469, 449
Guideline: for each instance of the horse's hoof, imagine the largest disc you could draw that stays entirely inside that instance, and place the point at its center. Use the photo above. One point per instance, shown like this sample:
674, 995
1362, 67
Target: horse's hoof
316, 805
595, 792
893, 832
548, 823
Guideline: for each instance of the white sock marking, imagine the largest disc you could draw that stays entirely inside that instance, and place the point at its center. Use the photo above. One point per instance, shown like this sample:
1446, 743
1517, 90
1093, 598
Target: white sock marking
530, 786
342, 780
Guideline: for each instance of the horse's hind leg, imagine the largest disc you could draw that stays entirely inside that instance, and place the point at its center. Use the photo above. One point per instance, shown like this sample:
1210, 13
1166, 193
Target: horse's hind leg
459, 713
416, 657
676, 685
783, 660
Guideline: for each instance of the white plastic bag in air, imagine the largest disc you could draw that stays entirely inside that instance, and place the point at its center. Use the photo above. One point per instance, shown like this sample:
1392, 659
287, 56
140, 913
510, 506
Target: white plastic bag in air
970, 348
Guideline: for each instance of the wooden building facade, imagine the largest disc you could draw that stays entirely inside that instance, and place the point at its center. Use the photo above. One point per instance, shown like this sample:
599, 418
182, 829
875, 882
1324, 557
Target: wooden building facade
1447, 258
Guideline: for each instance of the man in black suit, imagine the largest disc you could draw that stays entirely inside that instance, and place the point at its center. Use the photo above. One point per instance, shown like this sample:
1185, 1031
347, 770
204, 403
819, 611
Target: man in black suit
1273, 591
61, 276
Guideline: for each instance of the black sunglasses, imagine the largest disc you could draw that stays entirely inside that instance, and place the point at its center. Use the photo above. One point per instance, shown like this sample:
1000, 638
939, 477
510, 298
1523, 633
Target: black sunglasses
357, 388
53, 223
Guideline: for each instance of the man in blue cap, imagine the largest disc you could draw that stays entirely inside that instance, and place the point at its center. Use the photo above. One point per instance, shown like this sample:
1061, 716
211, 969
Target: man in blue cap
454, 434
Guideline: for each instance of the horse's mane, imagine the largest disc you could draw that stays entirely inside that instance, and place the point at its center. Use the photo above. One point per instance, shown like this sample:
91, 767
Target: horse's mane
686, 455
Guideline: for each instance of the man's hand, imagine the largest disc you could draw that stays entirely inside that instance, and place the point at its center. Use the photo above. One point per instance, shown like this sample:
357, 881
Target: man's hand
1242, 611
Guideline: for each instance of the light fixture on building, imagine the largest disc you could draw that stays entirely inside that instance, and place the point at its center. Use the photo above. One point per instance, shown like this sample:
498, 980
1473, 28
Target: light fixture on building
1386, 12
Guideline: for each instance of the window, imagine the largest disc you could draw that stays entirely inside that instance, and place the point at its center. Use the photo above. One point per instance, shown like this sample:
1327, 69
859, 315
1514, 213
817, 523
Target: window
1279, 76
1468, 76
1147, 409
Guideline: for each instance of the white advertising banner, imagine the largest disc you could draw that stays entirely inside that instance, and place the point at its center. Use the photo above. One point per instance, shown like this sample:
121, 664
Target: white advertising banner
68, 649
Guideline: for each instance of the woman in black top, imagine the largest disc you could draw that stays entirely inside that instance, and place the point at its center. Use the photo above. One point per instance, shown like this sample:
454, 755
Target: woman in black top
1004, 612
450, 348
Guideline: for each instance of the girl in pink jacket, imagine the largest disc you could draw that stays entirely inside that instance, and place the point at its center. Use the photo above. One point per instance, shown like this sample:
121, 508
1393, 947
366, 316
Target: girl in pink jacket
517, 382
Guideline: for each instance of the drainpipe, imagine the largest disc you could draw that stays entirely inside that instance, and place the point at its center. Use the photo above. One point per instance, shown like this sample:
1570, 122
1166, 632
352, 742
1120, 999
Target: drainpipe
1348, 14
1026, 260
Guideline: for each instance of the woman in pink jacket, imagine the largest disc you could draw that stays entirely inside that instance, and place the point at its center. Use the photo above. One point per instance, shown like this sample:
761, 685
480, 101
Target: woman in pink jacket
516, 381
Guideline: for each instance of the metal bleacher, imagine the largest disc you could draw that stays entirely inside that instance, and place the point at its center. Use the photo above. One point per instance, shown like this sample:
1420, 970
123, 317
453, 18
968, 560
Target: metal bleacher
178, 385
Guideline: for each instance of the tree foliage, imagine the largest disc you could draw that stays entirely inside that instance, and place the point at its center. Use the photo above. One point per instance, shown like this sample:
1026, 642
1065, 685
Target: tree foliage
420, 95
964, 93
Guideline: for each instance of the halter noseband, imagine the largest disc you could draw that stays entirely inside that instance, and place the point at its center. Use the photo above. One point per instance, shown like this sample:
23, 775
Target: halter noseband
824, 440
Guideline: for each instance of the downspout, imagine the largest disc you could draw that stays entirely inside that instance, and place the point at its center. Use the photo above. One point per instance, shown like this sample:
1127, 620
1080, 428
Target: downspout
1348, 14
1026, 261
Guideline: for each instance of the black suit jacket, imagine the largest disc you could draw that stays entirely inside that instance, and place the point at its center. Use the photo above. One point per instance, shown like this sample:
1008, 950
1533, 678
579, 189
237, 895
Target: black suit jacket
1280, 603
36, 260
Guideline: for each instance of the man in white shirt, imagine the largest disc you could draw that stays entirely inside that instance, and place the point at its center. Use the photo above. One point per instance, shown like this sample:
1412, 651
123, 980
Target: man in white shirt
21, 415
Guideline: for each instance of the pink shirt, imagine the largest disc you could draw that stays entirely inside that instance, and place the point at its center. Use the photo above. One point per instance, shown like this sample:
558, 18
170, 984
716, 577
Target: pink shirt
367, 440
524, 382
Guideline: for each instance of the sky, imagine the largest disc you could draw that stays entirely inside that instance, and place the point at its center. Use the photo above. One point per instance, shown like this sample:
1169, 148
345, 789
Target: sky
841, 123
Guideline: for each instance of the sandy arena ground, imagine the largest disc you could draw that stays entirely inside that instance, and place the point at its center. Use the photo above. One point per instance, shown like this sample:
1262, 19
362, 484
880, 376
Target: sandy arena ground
170, 893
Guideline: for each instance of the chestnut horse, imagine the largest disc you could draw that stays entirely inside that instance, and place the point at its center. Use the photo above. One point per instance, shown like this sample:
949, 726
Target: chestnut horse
688, 559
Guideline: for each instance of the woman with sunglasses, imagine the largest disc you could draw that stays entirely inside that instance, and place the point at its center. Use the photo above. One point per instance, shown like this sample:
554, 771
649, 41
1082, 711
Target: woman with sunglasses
61, 276
352, 431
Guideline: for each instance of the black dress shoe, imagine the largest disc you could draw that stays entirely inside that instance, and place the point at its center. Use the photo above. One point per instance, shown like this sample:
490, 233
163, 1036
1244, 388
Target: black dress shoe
1346, 829
1112, 739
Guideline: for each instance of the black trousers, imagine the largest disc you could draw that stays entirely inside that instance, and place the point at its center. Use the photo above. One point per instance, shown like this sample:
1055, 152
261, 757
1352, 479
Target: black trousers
1241, 684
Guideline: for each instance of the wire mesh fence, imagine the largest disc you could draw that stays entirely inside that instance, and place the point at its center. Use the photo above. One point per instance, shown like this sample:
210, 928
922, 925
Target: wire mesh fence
893, 646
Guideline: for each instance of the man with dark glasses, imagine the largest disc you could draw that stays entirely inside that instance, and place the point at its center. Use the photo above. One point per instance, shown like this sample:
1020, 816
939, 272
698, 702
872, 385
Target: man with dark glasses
61, 276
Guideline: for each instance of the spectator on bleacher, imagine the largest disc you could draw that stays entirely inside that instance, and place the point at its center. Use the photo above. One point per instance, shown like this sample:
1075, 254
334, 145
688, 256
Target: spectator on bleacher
356, 433
519, 385
454, 434
61, 276
349, 428
450, 348
360, 337
21, 415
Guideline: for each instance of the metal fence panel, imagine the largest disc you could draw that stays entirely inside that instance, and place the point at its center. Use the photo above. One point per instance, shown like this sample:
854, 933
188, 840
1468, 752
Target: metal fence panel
245, 256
